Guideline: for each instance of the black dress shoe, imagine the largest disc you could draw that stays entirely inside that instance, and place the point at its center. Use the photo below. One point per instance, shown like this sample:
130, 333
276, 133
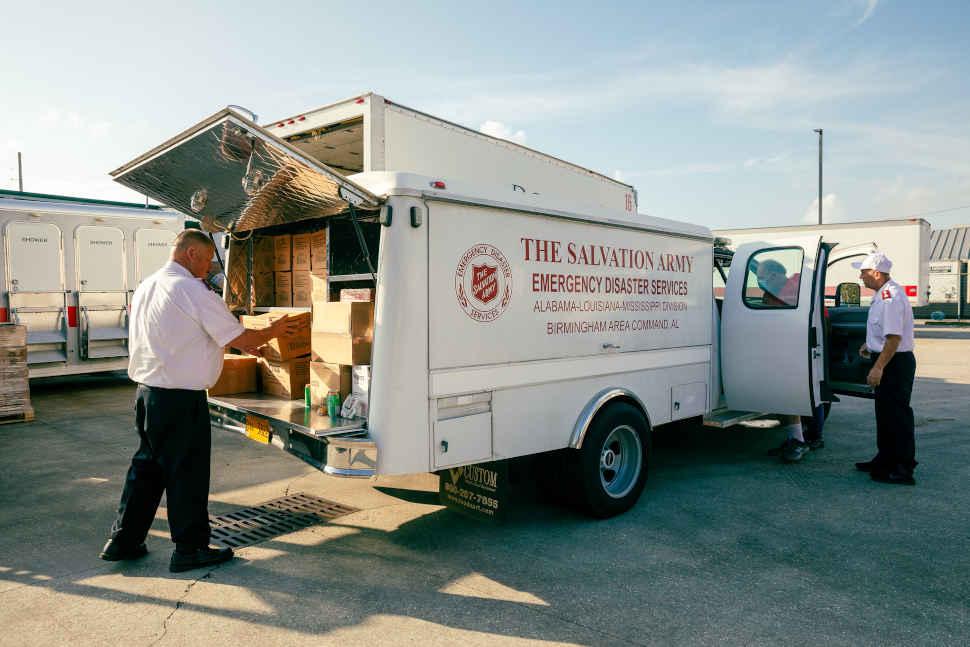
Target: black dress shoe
116, 552
894, 477
198, 558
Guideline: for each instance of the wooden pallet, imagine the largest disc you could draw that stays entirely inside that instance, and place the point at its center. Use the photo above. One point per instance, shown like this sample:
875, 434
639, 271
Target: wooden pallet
24, 416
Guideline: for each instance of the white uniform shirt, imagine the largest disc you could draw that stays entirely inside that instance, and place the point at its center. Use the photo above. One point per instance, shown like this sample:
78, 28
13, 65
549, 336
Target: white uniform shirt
178, 331
889, 314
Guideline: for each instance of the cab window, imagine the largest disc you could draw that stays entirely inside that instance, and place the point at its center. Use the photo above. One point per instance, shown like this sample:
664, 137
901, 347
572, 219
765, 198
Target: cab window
773, 278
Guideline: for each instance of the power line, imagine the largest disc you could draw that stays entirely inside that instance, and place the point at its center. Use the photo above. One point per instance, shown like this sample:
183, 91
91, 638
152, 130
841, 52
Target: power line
933, 213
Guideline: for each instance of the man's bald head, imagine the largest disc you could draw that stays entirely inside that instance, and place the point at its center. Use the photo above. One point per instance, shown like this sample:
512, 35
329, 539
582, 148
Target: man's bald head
193, 250
193, 237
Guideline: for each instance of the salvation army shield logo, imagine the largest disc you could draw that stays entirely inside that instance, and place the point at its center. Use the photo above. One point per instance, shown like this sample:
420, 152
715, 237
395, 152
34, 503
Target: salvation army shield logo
483, 282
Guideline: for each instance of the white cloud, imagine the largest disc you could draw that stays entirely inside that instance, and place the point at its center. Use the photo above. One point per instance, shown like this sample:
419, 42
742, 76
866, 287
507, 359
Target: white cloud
55, 118
832, 210
870, 8
783, 88
766, 161
500, 130
692, 169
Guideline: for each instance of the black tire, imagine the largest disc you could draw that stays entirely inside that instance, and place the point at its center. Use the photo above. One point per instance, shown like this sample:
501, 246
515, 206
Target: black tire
619, 436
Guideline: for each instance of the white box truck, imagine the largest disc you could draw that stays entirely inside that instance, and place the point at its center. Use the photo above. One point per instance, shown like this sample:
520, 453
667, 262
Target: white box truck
68, 267
906, 242
507, 323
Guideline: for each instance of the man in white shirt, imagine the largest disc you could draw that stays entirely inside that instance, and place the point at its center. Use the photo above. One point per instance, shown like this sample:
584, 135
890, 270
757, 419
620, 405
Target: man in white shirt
177, 336
889, 336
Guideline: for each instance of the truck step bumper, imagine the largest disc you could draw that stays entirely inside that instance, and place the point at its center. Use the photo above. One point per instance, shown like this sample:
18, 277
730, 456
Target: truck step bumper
344, 448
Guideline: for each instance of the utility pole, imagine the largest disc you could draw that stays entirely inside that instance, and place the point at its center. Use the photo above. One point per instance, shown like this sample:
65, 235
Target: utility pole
20, 173
819, 131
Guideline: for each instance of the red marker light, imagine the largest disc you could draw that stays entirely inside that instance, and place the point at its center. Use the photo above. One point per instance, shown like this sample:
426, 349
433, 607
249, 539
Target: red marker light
290, 121
302, 118
438, 184
280, 124
359, 100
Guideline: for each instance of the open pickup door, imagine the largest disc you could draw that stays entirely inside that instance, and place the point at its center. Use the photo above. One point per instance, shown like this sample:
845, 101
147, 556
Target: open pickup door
773, 356
235, 176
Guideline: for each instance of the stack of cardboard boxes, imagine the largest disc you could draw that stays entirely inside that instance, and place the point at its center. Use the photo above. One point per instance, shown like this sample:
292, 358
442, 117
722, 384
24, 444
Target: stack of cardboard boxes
340, 342
332, 351
14, 388
287, 267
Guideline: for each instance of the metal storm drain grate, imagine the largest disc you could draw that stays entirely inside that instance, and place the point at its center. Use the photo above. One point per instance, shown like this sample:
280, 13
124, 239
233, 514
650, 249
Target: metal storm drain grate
253, 525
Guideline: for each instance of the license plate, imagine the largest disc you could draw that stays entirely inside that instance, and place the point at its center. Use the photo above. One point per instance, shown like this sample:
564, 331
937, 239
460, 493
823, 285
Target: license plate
258, 429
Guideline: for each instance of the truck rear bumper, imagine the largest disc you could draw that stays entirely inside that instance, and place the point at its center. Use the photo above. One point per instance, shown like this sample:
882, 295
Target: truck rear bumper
340, 447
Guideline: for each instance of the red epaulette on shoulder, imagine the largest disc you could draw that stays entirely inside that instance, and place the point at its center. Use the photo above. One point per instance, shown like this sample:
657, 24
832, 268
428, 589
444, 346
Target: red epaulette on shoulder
887, 295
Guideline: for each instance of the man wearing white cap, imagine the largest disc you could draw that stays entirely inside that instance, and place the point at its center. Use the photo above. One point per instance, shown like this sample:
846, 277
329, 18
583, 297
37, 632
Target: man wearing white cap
889, 337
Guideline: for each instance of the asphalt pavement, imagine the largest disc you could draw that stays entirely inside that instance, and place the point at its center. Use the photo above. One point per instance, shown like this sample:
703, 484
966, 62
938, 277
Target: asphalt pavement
727, 546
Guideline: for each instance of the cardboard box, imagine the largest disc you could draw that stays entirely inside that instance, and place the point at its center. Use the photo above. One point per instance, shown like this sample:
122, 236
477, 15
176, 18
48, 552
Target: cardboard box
284, 289
355, 319
318, 251
286, 379
238, 376
334, 348
326, 377
283, 254
264, 254
281, 349
14, 387
264, 291
301, 252
302, 289
357, 294
319, 288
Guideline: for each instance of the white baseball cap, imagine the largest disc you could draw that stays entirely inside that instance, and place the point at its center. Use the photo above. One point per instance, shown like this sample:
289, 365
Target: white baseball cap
874, 261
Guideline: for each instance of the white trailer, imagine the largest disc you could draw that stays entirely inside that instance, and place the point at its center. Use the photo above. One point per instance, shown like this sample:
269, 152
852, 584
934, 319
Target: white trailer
507, 323
906, 242
68, 267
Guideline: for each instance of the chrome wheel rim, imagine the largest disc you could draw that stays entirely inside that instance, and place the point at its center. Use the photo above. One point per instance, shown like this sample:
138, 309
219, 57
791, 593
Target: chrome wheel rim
621, 459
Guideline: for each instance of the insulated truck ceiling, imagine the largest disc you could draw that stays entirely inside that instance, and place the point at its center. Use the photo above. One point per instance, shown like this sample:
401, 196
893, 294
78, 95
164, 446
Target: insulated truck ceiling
68, 267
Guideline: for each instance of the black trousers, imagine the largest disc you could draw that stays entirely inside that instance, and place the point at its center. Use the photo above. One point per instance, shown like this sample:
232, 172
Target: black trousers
172, 457
895, 433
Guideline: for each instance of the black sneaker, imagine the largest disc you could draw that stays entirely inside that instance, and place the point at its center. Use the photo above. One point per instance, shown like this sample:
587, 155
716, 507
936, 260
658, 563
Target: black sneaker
116, 552
816, 443
795, 450
895, 477
198, 558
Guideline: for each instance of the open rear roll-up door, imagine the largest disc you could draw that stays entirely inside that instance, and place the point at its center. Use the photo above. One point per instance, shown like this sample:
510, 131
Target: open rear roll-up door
233, 175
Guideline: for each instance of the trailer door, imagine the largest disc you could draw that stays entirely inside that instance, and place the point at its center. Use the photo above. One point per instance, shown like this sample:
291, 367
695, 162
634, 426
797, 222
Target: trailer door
102, 295
152, 250
35, 288
234, 175
771, 360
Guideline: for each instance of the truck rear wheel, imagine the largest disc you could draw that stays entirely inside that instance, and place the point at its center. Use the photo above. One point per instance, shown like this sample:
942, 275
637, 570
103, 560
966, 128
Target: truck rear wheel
611, 466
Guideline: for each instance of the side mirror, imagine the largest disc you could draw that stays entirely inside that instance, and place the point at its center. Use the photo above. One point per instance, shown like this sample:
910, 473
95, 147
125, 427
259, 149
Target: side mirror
848, 294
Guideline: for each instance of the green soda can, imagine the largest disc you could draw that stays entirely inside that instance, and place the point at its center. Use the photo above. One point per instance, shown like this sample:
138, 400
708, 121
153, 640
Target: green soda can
333, 404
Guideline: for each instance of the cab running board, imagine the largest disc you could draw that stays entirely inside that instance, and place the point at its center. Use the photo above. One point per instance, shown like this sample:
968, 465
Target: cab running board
723, 418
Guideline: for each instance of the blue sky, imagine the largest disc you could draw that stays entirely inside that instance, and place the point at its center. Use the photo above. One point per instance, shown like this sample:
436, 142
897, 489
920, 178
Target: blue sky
707, 108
